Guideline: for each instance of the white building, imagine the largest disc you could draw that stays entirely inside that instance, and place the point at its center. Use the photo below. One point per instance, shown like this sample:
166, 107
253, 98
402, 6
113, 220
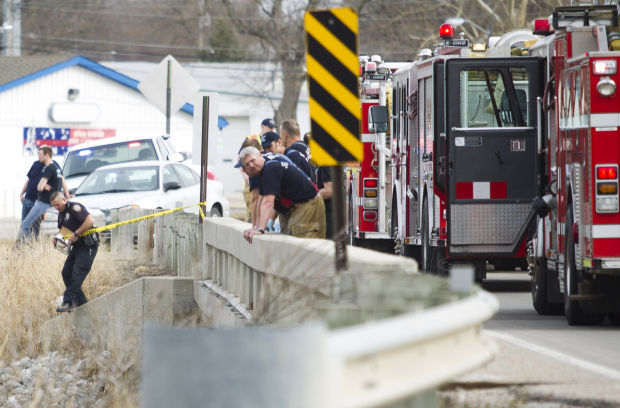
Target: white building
247, 93
60, 101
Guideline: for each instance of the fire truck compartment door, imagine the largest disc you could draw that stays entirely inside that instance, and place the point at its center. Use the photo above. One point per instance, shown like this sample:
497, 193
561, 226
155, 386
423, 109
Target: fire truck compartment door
492, 153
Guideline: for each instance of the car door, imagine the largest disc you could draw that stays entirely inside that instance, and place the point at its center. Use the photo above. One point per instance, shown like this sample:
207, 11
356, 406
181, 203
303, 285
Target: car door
172, 198
191, 189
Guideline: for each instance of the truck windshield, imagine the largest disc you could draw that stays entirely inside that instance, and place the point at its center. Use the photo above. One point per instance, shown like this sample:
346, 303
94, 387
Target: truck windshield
85, 161
494, 98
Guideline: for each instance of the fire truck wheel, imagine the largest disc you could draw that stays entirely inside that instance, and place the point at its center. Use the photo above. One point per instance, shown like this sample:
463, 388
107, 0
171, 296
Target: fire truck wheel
540, 288
614, 318
351, 240
572, 309
426, 263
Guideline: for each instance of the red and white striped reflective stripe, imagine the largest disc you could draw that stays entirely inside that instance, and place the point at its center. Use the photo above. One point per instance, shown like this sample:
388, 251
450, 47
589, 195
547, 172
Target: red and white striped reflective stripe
481, 190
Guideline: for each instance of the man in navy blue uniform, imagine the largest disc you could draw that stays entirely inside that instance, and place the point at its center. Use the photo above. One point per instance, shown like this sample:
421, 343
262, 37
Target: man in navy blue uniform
271, 142
74, 217
28, 195
50, 181
285, 188
291, 137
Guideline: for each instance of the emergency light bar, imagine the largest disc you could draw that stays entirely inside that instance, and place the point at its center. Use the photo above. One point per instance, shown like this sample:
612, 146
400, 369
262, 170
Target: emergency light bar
446, 31
371, 66
479, 47
542, 27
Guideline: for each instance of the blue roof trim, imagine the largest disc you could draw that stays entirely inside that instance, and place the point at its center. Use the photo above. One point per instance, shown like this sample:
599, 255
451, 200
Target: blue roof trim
88, 64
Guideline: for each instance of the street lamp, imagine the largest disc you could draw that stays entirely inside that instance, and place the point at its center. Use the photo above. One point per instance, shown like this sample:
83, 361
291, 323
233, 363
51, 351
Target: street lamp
457, 21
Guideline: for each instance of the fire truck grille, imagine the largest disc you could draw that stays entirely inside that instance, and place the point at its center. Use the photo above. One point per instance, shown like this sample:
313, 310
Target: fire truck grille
487, 224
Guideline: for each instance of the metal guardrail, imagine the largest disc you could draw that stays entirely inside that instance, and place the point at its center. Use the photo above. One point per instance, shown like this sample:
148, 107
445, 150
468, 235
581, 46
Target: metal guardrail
394, 333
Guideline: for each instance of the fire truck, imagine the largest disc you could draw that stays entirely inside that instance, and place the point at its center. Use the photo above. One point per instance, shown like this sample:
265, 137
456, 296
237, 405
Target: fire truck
574, 251
367, 199
453, 180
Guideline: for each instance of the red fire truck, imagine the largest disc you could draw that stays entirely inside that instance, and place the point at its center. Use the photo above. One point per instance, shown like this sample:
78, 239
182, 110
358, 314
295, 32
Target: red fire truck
462, 166
366, 195
574, 251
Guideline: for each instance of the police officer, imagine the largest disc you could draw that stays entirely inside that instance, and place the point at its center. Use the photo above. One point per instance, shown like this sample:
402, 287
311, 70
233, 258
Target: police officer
74, 217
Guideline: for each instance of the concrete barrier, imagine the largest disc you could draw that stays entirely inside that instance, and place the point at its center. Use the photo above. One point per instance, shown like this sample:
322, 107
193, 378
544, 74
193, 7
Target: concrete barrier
393, 335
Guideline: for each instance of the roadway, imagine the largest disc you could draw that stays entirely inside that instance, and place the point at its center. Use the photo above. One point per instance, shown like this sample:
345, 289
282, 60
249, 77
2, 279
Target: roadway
517, 318
541, 361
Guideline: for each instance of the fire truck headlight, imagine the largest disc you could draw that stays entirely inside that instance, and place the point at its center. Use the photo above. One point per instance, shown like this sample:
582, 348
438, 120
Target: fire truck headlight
604, 67
606, 87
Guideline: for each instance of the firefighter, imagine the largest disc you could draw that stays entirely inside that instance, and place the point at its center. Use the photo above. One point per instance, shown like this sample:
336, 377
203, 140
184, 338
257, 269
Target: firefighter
267, 125
285, 188
271, 142
74, 217
291, 137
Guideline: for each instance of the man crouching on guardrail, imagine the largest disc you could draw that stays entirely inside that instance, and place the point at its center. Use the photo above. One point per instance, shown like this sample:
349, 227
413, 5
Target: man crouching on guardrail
75, 219
288, 190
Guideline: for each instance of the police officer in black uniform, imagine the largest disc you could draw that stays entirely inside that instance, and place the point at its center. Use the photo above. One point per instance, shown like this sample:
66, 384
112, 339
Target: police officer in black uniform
76, 218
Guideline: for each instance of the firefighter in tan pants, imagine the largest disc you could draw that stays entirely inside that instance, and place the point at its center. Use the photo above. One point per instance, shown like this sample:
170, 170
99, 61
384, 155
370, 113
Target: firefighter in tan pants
285, 188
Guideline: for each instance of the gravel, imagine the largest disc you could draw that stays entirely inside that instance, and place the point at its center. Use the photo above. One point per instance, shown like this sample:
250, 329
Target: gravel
54, 380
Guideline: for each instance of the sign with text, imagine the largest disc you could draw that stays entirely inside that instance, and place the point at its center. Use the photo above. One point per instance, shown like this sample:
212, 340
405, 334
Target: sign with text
59, 139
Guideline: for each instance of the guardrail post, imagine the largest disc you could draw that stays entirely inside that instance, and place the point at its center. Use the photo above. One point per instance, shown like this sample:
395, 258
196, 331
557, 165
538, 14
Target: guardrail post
145, 238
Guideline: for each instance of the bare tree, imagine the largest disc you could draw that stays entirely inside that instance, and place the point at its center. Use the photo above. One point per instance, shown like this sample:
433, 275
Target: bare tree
397, 30
278, 25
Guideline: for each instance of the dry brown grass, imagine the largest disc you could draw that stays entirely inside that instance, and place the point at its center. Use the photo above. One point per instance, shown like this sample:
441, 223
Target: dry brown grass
30, 284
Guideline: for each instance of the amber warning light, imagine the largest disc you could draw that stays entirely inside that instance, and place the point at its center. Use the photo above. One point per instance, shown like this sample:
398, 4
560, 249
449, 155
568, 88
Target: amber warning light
446, 31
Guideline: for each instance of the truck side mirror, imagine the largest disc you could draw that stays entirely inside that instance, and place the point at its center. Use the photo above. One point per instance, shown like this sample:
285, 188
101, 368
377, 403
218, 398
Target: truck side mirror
378, 119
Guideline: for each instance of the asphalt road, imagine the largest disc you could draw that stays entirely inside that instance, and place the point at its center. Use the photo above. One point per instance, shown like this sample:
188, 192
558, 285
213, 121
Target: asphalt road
540, 360
599, 345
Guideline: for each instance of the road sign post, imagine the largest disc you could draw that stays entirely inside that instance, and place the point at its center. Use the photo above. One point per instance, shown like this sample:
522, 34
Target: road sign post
335, 111
169, 87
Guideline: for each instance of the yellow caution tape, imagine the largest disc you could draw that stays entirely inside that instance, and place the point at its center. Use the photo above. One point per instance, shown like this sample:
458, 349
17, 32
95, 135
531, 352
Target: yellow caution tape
145, 217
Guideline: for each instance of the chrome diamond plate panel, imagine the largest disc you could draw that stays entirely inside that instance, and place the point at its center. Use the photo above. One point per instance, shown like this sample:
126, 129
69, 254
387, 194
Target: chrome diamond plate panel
487, 224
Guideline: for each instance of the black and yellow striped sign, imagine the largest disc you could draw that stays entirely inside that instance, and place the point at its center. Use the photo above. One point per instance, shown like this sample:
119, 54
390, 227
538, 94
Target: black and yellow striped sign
333, 70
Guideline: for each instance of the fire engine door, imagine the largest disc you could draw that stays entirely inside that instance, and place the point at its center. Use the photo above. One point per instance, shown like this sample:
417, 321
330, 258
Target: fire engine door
491, 140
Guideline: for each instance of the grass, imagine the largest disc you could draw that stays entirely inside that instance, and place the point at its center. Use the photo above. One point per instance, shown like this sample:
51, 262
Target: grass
30, 284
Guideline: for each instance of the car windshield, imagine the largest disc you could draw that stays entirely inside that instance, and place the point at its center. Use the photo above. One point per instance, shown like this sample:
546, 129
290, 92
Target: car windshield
117, 180
84, 161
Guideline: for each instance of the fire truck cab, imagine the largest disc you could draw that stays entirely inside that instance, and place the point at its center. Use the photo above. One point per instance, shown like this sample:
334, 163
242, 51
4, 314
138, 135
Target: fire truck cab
464, 161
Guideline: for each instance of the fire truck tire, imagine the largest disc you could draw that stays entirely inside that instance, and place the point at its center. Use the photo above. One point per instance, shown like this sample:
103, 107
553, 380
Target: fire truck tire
427, 253
572, 309
540, 290
351, 240
614, 319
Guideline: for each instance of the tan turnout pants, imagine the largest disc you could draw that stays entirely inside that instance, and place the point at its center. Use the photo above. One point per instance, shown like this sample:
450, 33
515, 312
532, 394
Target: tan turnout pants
306, 220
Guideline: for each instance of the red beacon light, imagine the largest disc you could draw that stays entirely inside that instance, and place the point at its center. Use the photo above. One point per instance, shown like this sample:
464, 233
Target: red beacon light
542, 27
446, 31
